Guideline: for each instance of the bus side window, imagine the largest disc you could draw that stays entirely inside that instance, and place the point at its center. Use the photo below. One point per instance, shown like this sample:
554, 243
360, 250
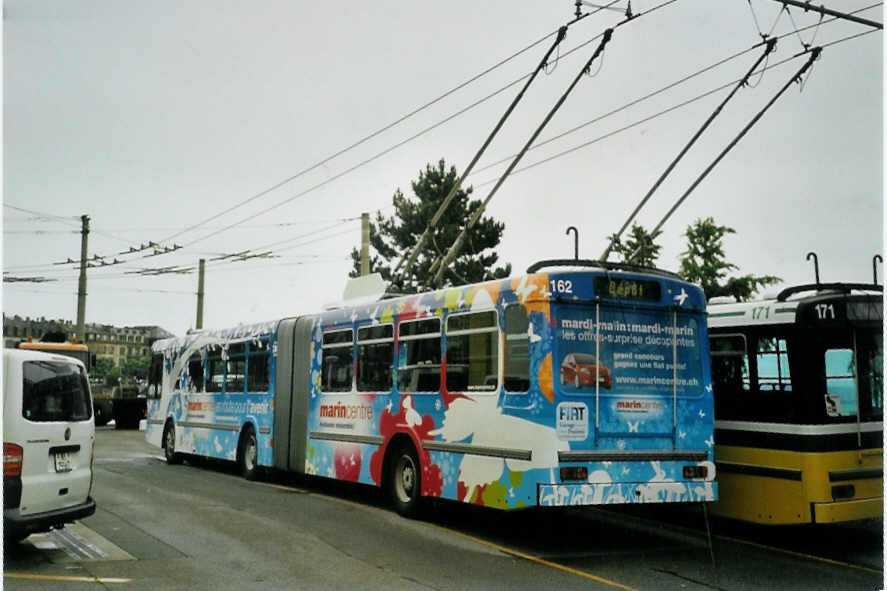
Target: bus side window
337, 362
473, 352
155, 376
235, 369
257, 379
375, 358
215, 374
772, 360
517, 349
419, 355
840, 383
195, 373
729, 373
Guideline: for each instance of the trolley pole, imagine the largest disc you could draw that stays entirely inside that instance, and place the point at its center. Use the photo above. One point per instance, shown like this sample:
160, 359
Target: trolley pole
199, 323
364, 244
822, 10
81, 286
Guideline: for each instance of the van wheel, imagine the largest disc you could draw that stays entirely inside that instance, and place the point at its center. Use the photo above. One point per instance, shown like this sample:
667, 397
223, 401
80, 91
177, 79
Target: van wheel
169, 445
404, 480
249, 454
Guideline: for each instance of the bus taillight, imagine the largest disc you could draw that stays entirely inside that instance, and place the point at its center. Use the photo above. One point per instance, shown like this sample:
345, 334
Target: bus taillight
691, 472
574, 473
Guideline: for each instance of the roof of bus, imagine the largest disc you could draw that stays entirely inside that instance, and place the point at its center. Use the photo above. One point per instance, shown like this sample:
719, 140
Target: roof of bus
771, 310
40, 346
196, 338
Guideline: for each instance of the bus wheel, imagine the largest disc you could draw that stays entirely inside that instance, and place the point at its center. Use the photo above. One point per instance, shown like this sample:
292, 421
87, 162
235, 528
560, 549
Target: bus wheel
169, 445
404, 482
249, 452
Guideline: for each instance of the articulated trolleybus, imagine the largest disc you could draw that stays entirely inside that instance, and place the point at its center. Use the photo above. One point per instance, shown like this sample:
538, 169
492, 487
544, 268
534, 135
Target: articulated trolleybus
798, 387
580, 386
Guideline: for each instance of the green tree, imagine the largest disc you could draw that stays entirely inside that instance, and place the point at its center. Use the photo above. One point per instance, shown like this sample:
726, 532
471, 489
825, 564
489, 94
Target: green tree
639, 248
136, 367
395, 236
103, 366
705, 264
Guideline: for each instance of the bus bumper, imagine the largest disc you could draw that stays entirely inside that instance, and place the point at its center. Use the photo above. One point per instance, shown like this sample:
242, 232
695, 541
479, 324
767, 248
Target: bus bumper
615, 493
848, 510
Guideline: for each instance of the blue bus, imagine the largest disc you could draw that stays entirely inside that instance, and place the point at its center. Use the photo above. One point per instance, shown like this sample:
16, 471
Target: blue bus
585, 384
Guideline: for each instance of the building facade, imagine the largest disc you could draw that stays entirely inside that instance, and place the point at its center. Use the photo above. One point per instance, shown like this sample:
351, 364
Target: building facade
104, 340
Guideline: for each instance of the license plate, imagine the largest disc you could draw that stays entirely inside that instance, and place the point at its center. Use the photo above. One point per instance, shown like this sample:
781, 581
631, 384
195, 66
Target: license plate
62, 462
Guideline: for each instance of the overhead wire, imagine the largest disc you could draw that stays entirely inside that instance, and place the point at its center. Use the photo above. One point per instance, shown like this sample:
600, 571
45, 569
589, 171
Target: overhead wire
659, 113
453, 252
655, 93
374, 134
384, 152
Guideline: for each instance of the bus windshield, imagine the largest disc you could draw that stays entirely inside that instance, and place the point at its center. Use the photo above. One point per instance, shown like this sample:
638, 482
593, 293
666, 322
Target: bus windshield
631, 350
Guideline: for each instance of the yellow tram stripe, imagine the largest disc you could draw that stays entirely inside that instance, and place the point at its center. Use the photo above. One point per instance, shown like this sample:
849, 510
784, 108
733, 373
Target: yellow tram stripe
68, 579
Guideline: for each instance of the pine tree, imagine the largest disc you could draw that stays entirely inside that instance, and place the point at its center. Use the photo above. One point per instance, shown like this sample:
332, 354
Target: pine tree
395, 236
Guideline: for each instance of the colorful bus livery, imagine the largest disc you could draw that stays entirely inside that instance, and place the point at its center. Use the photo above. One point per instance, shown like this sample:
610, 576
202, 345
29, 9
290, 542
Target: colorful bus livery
455, 394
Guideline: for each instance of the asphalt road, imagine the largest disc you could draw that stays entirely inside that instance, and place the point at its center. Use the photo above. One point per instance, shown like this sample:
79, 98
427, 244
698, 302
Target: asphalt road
201, 526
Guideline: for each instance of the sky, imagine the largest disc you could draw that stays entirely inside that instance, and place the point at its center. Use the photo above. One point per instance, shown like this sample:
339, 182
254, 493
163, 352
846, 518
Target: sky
193, 123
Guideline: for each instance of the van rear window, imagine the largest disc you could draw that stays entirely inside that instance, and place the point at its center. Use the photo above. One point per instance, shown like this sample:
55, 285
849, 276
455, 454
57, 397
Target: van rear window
54, 391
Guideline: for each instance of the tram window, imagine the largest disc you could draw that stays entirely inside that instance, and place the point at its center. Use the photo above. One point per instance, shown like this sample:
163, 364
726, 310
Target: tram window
419, 356
840, 383
729, 363
871, 356
517, 349
257, 369
195, 373
472, 352
773, 370
375, 358
337, 363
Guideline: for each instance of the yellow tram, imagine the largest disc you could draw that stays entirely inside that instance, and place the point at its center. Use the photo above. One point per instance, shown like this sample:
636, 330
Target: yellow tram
798, 389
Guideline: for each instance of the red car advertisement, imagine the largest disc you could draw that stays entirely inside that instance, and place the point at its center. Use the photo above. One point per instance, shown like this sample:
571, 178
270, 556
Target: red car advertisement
583, 370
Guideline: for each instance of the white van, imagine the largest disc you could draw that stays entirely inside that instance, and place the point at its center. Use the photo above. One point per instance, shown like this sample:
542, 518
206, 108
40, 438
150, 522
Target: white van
48, 442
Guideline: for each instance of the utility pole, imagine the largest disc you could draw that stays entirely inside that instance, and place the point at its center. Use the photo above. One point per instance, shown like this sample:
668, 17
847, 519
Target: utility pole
199, 324
81, 287
364, 244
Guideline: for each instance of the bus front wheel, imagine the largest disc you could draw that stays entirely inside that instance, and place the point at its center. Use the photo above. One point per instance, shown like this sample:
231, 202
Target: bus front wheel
404, 481
169, 445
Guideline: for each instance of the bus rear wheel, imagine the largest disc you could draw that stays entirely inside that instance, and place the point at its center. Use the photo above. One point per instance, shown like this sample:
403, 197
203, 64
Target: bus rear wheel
169, 445
404, 481
249, 454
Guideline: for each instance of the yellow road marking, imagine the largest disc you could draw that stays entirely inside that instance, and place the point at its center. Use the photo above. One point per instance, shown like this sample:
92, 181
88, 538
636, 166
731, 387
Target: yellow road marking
801, 555
561, 567
476, 540
64, 578
537, 559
